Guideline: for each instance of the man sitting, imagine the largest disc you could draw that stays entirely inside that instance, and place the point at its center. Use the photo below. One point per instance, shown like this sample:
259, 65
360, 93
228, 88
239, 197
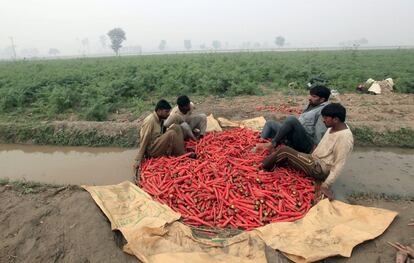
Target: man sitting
303, 133
193, 125
328, 159
155, 140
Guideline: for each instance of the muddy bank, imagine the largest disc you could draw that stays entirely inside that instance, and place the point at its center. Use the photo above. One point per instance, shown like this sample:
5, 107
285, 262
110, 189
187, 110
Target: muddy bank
47, 226
65, 225
369, 170
125, 135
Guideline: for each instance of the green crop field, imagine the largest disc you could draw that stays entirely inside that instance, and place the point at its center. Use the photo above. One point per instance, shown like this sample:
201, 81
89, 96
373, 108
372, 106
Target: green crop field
92, 88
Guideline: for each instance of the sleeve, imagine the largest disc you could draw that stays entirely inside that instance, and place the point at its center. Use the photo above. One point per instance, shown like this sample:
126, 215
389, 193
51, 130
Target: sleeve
320, 129
173, 119
341, 152
145, 138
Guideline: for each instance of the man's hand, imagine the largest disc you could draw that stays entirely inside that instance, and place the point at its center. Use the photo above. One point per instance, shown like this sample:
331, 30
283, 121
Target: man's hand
261, 146
327, 192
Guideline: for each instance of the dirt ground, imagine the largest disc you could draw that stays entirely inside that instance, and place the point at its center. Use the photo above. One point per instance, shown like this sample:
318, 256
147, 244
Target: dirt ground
390, 112
54, 224
65, 225
382, 113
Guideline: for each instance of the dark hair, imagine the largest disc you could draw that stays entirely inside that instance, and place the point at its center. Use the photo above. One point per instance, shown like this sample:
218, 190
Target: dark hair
334, 110
183, 101
162, 105
320, 91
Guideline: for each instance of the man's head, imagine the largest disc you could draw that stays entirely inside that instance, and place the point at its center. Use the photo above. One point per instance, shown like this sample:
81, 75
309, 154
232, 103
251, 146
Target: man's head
318, 94
333, 114
183, 103
163, 109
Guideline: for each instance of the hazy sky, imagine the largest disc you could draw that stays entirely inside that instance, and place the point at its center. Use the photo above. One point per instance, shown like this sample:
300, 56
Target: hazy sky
62, 24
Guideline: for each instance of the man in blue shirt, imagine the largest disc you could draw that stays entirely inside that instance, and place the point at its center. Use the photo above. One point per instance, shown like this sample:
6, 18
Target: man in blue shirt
303, 133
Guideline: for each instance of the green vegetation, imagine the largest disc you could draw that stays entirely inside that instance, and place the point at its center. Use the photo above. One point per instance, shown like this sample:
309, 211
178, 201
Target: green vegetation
33, 94
355, 196
50, 134
365, 136
24, 187
92, 89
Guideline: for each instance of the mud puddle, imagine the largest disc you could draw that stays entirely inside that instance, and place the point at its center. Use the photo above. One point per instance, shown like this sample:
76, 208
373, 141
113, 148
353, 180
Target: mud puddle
378, 170
66, 165
371, 170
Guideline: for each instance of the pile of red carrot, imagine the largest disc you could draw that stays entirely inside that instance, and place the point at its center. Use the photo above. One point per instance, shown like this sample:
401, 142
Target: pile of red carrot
224, 186
281, 108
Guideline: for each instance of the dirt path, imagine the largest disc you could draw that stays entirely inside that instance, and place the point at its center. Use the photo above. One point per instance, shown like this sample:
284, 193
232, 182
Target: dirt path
65, 225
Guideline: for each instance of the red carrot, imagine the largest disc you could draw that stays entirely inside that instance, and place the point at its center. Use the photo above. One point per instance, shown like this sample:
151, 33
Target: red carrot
225, 186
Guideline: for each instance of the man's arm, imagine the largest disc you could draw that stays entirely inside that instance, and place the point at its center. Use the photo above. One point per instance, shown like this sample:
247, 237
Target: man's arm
342, 149
320, 129
173, 119
145, 139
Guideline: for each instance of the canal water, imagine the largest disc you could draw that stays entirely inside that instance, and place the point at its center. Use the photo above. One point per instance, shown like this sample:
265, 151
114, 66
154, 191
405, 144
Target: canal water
371, 170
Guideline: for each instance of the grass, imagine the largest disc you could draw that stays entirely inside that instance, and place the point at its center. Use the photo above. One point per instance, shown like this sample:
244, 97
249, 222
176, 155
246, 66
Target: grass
24, 187
379, 196
49, 134
365, 136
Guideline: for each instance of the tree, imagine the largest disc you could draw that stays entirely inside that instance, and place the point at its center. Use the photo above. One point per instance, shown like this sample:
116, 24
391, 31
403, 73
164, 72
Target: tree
54, 51
162, 45
187, 44
280, 41
117, 36
216, 44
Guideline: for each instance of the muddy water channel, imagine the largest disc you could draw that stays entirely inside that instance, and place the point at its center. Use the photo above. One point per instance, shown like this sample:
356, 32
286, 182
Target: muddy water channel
372, 170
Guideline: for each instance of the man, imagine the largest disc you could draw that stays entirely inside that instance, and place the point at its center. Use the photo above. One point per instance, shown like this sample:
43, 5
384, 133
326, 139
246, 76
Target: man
193, 125
155, 140
328, 159
303, 133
